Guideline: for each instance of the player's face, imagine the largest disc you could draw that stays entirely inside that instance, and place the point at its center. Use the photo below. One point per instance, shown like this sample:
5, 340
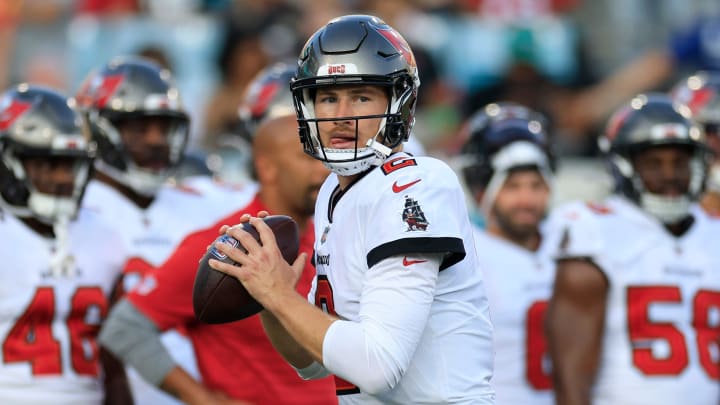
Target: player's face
349, 101
51, 175
664, 170
147, 141
521, 203
300, 174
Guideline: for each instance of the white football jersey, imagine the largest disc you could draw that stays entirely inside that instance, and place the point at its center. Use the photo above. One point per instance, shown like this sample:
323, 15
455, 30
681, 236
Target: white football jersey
48, 323
408, 205
153, 234
519, 284
663, 306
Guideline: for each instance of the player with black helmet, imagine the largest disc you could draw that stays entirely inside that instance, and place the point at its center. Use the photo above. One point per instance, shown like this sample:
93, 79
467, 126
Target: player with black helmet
141, 129
59, 261
700, 92
508, 166
637, 281
400, 313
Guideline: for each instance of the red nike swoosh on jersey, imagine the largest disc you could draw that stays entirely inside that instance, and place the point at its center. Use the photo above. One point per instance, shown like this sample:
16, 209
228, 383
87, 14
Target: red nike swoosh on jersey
407, 262
398, 188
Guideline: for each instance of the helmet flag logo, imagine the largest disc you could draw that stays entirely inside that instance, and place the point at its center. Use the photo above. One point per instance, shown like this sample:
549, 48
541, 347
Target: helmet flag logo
12, 113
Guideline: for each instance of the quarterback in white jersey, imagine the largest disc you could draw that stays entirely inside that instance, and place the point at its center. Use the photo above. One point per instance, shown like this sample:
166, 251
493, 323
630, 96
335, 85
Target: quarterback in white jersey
509, 169
633, 317
59, 267
137, 151
400, 309
376, 259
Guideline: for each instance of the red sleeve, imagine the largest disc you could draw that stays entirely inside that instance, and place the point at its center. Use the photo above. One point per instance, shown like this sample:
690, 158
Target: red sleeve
165, 295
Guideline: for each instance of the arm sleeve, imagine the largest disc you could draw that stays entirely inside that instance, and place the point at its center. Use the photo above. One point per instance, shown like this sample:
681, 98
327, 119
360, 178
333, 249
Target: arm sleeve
313, 371
375, 352
135, 339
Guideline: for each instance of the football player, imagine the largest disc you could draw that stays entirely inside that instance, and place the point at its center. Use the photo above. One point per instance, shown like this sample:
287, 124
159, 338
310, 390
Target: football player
701, 93
509, 170
398, 312
632, 318
141, 130
236, 359
59, 262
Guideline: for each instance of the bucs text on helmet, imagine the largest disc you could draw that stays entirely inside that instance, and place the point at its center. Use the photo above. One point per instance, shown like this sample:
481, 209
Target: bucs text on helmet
38, 122
500, 138
127, 89
701, 94
356, 50
647, 121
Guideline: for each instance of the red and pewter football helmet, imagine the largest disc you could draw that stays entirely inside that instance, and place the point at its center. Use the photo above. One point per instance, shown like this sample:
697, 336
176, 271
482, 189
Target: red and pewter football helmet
128, 88
40, 122
701, 93
268, 96
650, 120
363, 50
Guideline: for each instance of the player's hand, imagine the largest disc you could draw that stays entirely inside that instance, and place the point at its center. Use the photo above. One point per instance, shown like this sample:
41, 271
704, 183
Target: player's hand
244, 218
262, 270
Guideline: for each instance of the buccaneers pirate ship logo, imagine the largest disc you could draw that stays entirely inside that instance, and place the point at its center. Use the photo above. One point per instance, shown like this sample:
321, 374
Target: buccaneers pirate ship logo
414, 216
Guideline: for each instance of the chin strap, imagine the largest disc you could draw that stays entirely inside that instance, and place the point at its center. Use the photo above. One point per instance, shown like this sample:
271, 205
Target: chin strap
669, 210
141, 181
62, 262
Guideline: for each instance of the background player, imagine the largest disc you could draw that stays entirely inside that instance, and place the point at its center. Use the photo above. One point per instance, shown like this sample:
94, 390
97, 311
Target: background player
509, 170
701, 93
406, 316
631, 318
58, 265
141, 129
235, 359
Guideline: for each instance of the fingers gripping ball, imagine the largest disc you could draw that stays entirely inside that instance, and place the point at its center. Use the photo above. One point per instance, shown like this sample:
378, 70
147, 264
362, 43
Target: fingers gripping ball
219, 298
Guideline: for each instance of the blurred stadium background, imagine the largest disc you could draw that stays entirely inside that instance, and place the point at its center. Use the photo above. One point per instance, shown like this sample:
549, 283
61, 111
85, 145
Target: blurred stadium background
553, 55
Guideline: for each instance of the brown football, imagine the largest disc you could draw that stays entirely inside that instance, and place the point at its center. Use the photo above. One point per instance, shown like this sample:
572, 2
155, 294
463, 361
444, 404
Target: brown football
219, 298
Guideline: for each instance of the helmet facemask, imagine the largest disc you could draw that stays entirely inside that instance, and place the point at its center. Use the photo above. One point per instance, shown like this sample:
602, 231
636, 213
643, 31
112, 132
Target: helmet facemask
667, 209
392, 128
47, 207
651, 121
117, 162
356, 50
132, 89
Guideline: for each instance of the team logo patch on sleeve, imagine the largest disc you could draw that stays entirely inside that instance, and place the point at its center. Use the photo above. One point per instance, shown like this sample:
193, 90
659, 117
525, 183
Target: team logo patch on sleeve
413, 215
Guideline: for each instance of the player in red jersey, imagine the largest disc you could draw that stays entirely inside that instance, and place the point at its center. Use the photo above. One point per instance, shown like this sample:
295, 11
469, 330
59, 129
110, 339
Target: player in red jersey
235, 359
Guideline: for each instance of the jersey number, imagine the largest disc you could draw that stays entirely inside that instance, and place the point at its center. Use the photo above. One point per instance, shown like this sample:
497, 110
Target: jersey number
643, 332
536, 355
324, 300
397, 164
31, 338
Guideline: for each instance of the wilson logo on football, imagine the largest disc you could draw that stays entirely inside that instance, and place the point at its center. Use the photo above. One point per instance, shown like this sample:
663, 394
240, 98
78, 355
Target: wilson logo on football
224, 239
